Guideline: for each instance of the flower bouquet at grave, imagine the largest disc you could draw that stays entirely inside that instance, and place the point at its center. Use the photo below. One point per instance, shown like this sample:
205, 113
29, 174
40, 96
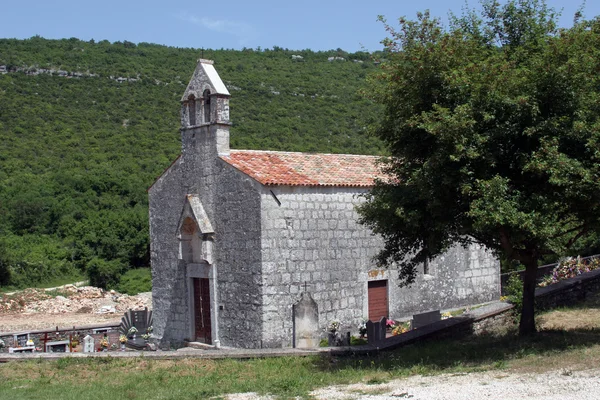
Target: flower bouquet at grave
447, 315
132, 331
123, 339
362, 328
400, 328
104, 343
333, 334
333, 327
2, 344
146, 336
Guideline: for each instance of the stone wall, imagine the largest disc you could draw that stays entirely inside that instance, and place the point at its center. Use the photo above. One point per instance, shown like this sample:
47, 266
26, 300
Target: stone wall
238, 259
568, 292
166, 200
195, 172
311, 234
460, 277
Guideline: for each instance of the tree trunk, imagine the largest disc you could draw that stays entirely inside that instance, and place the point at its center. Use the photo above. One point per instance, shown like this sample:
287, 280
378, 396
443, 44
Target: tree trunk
527, 323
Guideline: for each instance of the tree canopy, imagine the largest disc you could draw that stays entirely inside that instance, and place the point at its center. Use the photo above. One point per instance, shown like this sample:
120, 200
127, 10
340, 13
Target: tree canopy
494, 133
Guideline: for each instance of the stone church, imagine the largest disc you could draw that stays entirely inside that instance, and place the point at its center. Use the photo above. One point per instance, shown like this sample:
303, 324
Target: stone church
238, 235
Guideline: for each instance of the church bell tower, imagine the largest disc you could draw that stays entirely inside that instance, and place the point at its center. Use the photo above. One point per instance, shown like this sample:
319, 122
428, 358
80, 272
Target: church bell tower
205, 113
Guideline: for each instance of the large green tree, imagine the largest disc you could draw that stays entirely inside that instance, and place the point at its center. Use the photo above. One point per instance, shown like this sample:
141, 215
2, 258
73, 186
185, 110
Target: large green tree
494, 133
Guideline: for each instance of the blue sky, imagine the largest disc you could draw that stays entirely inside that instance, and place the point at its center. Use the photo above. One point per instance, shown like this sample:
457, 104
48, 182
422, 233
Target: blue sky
307, 24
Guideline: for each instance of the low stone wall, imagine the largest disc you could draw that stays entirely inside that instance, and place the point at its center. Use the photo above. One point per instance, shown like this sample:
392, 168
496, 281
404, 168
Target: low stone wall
542, 271
561, 294
568, 291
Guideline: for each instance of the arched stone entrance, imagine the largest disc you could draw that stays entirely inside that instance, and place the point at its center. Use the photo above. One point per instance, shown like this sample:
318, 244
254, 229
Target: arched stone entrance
196, 244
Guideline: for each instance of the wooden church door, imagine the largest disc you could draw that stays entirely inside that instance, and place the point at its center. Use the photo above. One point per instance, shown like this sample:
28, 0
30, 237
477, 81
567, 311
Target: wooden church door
202, 324
378, 300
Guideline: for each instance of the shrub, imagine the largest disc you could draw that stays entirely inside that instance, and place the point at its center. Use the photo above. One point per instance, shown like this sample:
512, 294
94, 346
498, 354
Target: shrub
136, 281
104, 274
514, 292
354, 341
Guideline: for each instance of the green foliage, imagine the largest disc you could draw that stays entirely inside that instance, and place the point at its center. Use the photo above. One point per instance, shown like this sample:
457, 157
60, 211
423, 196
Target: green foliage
79, 152
355, 341
5, 275
136, 281
514, 292
492, 125
104, 274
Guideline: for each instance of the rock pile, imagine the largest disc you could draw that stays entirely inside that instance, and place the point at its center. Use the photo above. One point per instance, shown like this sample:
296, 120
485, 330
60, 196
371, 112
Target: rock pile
70, 299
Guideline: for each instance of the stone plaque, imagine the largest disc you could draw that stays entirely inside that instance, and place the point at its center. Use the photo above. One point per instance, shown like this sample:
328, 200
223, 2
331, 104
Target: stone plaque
426, 318
88, 344
61, 346
306, 322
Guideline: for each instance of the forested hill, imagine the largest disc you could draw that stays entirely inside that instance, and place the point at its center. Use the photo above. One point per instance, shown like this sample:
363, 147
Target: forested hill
86, 127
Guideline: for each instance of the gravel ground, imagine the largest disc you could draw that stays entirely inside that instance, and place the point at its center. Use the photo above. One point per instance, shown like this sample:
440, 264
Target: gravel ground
554, 385
38, 309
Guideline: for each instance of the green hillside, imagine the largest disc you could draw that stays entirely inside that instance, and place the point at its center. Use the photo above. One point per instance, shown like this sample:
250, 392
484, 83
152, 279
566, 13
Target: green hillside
86, 127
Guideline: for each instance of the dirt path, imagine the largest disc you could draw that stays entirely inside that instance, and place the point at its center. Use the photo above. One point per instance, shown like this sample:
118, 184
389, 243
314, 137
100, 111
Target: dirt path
553, 385
76, 284
487, 385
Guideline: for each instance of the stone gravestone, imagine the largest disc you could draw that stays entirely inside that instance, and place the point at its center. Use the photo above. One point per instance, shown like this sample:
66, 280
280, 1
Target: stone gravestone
306, 322
376, 330
88, 344
426, 318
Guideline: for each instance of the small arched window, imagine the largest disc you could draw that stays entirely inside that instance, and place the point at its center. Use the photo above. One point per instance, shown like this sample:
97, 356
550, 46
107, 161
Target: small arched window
206, 96
192, 109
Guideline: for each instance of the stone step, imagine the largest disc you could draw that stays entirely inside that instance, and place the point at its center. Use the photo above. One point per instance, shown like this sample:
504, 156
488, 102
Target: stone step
201, 346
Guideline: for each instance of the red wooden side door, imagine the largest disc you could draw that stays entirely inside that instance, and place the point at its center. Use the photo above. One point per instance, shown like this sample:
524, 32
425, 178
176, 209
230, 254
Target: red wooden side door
378, 300
202, 325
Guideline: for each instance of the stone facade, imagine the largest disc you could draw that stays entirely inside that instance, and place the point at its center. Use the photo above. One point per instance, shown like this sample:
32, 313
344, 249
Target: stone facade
260, 231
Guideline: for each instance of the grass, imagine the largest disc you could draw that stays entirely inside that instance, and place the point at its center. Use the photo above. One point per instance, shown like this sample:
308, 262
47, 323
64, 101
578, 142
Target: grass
569, 339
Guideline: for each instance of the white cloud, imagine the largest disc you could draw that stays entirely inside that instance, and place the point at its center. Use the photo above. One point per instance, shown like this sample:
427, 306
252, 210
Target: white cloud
245, 33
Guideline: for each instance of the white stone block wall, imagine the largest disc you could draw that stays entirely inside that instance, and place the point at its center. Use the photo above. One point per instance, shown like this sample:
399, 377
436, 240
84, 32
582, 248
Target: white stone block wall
312, 236
238, 259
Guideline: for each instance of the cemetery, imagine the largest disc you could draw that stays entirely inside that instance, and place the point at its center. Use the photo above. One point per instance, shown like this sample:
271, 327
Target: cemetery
134, 333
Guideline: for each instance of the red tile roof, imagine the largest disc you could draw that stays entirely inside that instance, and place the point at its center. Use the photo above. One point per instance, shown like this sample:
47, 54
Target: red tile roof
305, 169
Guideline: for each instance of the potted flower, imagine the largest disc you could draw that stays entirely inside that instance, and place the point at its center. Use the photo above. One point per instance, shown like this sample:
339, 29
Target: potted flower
104, 343
333, 333
123, 340
362, 328
132, 331
401, 328
146, 336
389, 324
